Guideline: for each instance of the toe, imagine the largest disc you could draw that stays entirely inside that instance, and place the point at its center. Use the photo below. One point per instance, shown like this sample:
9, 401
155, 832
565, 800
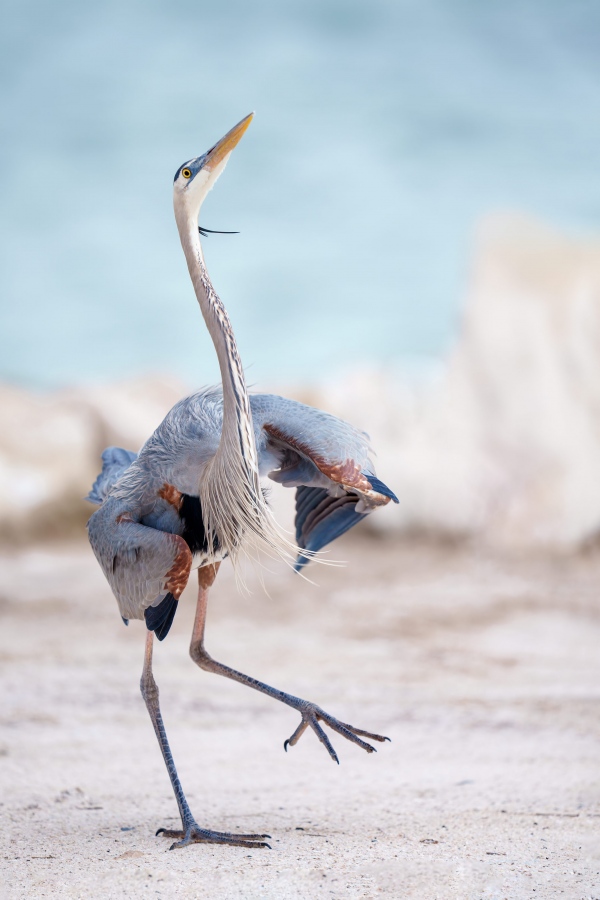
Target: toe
168, 833
324, 739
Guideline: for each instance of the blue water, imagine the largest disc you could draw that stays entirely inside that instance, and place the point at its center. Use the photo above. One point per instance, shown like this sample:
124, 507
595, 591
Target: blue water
384, 130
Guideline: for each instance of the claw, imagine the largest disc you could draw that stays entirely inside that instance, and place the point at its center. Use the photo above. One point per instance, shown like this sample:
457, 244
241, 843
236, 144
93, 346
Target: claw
293, 740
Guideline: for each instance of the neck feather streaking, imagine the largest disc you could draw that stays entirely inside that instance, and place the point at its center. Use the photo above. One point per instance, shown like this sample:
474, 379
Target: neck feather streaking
236, 514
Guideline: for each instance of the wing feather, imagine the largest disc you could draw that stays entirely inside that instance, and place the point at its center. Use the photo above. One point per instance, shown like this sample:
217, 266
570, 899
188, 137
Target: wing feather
321, 518
326, 459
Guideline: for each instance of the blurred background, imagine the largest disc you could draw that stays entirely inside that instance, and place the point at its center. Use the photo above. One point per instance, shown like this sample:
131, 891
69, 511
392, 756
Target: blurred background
416, 201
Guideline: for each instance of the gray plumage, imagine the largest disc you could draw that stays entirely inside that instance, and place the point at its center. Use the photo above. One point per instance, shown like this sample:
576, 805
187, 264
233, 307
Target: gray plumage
136, 555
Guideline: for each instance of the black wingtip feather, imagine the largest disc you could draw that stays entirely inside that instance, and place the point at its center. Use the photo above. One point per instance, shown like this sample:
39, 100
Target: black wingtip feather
381, 488
160, 618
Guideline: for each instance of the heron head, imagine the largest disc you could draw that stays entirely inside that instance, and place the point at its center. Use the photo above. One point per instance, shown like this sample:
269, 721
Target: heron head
194, 179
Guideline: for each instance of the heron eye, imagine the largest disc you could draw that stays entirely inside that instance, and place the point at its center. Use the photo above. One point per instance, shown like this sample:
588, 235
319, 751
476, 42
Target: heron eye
186, 173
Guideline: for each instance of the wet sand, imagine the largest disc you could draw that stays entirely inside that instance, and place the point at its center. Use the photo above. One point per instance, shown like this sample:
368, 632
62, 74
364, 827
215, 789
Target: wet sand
485, 672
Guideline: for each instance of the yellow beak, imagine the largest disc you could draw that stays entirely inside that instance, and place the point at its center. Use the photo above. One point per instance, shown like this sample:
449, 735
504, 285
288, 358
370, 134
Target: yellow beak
227, 143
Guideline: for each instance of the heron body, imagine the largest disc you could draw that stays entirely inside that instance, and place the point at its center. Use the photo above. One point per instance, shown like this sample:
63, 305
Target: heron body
193, 495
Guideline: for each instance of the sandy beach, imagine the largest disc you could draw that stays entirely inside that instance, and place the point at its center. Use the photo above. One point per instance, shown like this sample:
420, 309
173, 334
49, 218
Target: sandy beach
483, 670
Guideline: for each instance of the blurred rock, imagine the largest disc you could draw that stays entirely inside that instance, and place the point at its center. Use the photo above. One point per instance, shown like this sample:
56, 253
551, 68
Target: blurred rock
127, 412
46, 459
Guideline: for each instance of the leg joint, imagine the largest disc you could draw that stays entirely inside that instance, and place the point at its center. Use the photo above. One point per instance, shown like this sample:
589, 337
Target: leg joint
199, 654
149, 689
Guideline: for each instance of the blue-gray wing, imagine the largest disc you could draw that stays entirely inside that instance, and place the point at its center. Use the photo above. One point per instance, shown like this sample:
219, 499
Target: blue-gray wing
326, 459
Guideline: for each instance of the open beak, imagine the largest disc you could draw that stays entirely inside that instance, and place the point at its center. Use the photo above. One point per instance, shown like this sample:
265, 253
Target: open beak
223, 147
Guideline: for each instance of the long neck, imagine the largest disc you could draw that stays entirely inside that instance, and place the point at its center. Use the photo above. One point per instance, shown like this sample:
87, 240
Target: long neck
230, 489
235, 394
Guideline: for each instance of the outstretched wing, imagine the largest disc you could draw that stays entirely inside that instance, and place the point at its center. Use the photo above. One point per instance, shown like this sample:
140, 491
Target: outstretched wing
147, 569
326, 459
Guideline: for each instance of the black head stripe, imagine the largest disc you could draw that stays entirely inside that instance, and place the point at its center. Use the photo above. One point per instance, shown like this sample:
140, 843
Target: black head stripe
194, 165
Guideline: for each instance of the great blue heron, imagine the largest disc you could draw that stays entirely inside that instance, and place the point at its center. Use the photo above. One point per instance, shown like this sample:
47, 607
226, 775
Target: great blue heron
193, 495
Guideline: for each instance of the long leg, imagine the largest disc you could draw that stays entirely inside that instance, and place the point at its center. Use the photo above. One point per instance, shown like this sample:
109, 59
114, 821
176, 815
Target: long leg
311, 714
191, 832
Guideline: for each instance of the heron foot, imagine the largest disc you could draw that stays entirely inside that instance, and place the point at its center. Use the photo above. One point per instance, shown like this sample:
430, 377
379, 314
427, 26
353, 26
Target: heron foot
193, 834
313, 714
